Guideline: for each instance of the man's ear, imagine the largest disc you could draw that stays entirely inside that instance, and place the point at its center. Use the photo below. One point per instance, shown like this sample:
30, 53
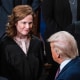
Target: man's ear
58, 51
58, 55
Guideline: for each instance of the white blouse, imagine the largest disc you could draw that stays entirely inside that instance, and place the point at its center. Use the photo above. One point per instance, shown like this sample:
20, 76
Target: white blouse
23, 43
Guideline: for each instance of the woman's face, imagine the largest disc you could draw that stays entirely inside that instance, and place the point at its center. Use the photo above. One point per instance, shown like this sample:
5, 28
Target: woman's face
24, 26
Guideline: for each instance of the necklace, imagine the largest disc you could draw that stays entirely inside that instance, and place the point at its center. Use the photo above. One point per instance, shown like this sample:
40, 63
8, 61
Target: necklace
72, 1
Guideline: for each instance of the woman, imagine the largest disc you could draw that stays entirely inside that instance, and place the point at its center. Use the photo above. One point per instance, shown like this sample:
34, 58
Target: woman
6, 9
21, 52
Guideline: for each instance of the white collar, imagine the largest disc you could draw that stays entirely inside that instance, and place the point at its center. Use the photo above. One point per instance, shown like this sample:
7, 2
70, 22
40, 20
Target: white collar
63, 64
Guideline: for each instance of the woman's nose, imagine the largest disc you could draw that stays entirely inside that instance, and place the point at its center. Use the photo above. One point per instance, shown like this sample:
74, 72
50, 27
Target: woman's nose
27, 25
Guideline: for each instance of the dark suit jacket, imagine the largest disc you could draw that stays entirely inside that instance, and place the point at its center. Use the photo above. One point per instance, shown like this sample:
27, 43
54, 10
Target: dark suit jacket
15, 65
57, 15
71, 71
6, 9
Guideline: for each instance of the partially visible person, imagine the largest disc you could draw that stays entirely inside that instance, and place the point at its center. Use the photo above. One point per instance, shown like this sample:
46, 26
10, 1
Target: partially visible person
58, 14
21, 53
65, 52
6, 9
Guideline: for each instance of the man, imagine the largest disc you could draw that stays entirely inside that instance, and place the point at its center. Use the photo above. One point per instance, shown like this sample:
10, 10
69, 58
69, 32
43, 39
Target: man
65, 52
58, 15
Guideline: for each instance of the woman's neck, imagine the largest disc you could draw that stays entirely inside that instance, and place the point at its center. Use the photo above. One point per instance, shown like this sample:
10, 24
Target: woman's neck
21, 36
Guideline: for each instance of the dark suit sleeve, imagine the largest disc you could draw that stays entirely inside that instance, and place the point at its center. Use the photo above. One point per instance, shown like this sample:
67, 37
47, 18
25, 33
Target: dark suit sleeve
48, 16
0, 2
47, 9
7, 6
36, 4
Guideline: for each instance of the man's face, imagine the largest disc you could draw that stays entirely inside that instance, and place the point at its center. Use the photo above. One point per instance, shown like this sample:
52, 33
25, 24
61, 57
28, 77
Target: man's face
54, 54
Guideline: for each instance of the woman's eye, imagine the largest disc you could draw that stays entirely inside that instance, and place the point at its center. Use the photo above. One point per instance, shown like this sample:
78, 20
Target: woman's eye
24, 22
30, 22
27, 23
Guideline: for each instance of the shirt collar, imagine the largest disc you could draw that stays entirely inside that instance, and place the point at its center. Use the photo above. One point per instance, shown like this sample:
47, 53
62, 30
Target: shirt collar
63, 64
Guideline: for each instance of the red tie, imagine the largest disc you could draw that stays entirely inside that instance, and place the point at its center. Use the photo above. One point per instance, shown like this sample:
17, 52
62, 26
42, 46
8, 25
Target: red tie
57, 73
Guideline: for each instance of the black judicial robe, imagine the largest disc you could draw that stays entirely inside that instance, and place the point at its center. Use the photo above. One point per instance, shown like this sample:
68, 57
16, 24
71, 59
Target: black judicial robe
15, 65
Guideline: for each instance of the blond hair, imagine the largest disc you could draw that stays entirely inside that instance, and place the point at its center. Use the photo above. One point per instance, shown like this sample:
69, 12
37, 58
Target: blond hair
66, 43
